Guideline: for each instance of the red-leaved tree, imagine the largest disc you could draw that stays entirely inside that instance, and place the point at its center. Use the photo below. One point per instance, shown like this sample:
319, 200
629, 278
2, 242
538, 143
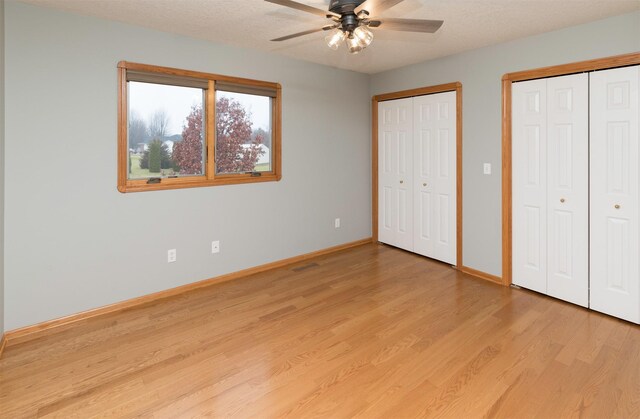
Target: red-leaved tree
235, 150
187, 154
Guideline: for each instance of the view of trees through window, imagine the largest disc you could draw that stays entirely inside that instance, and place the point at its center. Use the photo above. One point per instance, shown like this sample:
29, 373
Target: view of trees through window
166, 133
243, 133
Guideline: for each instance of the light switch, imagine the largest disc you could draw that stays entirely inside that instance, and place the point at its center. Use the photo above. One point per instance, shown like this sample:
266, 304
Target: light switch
487, 168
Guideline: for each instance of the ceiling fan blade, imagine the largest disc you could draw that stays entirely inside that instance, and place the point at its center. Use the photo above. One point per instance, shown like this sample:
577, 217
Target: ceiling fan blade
376, 6
304, 8
295, 35
407, 25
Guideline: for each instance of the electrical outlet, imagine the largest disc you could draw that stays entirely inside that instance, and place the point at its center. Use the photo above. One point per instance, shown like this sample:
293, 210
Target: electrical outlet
337, 223
172, 255
487, 168
215, 246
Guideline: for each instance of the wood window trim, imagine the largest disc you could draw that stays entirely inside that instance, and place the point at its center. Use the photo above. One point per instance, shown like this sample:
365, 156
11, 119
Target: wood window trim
210, 178
507, 80
441, 88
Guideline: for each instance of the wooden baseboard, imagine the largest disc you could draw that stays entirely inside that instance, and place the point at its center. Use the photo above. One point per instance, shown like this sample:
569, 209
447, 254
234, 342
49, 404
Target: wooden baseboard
27, 333
3, 343
481, 275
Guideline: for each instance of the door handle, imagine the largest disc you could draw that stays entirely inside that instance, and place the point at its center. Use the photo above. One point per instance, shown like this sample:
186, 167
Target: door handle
562, 200
402, 181
616, 206
424, 184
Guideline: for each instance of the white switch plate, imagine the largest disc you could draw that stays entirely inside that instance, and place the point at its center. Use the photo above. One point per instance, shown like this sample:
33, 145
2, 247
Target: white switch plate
215, 246
487, 168
337, 223
172, 255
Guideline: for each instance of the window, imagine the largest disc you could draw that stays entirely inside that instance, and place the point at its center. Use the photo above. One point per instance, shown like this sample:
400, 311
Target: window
181, 129
242, 120
165, 131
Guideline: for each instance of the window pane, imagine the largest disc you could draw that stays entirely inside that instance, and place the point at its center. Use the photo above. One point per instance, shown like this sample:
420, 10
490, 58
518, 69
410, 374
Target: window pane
166, 133
243, 133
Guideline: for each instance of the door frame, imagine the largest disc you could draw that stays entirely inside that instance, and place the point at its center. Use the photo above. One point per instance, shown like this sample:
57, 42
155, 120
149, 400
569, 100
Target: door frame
538, 73
422, 91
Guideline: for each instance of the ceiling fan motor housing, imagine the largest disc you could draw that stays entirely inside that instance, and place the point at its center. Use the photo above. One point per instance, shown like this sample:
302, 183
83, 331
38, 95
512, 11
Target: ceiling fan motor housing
345, 8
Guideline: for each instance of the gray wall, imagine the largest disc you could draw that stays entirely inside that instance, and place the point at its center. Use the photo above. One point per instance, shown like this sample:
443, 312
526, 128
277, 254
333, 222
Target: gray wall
480, 72
73, 242
1, 167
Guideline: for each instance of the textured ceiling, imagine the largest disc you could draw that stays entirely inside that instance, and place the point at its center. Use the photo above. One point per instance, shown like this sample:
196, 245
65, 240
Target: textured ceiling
468, 24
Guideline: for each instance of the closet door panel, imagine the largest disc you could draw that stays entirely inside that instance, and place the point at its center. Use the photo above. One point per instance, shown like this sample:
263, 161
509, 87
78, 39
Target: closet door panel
395, 173
435, 176
529, 184
425, 113
614, 160
568, 188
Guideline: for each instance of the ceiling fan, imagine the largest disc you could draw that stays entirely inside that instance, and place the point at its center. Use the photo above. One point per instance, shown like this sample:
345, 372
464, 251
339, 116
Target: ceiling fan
352, 20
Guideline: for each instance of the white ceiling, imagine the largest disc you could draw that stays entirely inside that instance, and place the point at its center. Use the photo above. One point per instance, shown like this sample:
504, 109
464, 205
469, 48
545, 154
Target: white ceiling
468, 24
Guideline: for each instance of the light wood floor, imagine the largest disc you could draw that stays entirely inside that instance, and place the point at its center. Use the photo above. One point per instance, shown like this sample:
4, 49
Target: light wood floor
368, 332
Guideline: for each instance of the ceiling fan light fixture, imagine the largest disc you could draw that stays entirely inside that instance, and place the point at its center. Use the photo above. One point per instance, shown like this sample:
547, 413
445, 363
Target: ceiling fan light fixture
354, 45
335, 39
352, 22
364, 35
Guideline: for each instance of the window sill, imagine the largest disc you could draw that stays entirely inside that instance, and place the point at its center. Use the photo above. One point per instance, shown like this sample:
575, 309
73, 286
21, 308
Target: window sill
182, 183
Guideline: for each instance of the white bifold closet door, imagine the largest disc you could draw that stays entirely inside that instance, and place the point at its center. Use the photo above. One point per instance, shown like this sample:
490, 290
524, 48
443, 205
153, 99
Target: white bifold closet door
395, 173
615, 254
550, 186
434, 162
529, 184
417, 175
